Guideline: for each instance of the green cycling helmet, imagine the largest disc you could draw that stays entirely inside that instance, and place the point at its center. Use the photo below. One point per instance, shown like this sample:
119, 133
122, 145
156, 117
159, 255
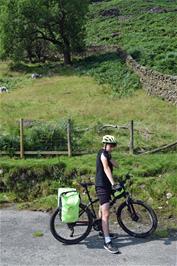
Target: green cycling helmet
108, 139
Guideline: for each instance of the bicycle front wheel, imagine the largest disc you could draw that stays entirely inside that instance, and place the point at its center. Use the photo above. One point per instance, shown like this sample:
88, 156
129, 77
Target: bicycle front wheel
137, 219
71, 233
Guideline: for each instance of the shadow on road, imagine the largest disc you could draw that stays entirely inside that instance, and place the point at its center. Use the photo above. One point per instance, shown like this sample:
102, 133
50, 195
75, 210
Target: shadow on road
123, 240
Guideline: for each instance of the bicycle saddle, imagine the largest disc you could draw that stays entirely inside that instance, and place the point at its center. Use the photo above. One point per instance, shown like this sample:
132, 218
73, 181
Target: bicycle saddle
86, 184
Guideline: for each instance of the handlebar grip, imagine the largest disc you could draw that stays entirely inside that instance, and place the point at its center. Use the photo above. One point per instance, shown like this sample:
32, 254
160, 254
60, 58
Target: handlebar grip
117, 187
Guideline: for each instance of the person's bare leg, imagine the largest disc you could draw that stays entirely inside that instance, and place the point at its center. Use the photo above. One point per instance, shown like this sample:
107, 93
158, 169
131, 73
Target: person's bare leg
108, 245
105, 218
99, 212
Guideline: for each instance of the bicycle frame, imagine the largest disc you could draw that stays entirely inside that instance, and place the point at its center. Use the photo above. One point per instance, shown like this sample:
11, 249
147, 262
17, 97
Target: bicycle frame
91, 202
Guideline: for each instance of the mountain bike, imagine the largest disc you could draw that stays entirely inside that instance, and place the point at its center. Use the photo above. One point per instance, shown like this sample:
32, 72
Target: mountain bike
135, 217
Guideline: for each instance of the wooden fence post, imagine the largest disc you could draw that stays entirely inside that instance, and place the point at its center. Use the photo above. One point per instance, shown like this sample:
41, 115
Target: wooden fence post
21, 139
69, 138
131, 146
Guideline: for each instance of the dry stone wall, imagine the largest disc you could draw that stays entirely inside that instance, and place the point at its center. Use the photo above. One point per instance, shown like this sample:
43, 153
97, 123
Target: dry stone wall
155, 83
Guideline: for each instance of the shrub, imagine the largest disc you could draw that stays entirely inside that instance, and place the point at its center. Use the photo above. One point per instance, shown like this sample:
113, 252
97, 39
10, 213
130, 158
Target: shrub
46, 136
9, 142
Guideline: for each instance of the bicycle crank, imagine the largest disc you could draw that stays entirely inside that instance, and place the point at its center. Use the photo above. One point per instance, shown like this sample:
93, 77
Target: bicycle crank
97, 225
71, 227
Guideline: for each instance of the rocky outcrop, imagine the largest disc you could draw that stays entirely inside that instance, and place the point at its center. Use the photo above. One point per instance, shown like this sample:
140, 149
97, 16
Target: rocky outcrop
112, 12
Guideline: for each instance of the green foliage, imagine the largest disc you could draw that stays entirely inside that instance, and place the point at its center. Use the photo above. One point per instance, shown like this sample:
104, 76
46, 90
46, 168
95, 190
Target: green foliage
34, 182
111, 73
156, 172
7, 197
11, 82
171, 181
149, 36
173, 203
45, 69
9, 143
25, 24
46, 136
46, 203
162, 233
29, 182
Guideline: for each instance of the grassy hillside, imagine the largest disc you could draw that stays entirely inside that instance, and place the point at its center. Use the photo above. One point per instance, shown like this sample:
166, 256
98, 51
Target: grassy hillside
146, 29
72, 92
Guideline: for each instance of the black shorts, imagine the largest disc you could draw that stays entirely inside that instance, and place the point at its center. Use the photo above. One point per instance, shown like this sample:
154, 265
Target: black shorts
103, 195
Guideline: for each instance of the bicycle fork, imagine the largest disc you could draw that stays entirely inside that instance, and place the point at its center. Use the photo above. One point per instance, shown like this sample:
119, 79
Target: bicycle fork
131, 210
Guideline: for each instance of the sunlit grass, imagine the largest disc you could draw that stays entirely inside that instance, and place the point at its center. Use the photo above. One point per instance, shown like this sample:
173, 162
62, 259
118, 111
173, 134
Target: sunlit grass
84, 101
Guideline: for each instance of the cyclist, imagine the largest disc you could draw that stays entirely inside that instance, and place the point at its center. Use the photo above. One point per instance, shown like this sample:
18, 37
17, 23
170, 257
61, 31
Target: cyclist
104, 185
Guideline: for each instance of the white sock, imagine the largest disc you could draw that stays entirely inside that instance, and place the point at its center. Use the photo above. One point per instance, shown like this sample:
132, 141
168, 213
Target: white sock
107, 239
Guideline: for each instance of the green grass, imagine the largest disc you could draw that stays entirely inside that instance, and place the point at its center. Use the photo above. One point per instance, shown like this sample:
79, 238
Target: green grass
80, 97
7, 197
156, 171
110, 72
153, 177
162, 233
13, 79
38, 234
47, 203
149, 37
142, 165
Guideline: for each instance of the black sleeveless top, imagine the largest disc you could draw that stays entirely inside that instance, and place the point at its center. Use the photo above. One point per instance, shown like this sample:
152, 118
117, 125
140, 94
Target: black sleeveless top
101, 178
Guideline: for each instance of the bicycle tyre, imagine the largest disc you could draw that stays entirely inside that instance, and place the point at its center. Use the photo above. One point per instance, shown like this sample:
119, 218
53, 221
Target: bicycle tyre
151, 213
70, 241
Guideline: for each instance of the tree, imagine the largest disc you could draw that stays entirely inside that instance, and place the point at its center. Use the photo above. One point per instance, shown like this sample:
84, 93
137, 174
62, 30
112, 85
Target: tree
60, 22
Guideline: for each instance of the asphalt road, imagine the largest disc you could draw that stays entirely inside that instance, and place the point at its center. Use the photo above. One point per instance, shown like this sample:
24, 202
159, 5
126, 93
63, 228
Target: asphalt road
20, 247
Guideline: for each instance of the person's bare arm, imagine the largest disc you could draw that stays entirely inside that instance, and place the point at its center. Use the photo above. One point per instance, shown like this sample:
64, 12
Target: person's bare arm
114, 163
107, 169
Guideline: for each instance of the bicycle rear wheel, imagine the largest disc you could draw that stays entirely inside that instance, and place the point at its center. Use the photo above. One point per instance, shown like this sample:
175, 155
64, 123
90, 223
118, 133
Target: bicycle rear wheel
71, 233
137, 218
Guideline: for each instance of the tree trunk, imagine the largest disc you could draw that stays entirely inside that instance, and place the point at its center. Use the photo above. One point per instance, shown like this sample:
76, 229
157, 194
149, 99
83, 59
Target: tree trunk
67, 57
29, 55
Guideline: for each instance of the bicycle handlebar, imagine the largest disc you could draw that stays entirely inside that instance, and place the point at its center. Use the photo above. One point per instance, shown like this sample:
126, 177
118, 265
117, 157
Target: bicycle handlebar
121, 184
117, 187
